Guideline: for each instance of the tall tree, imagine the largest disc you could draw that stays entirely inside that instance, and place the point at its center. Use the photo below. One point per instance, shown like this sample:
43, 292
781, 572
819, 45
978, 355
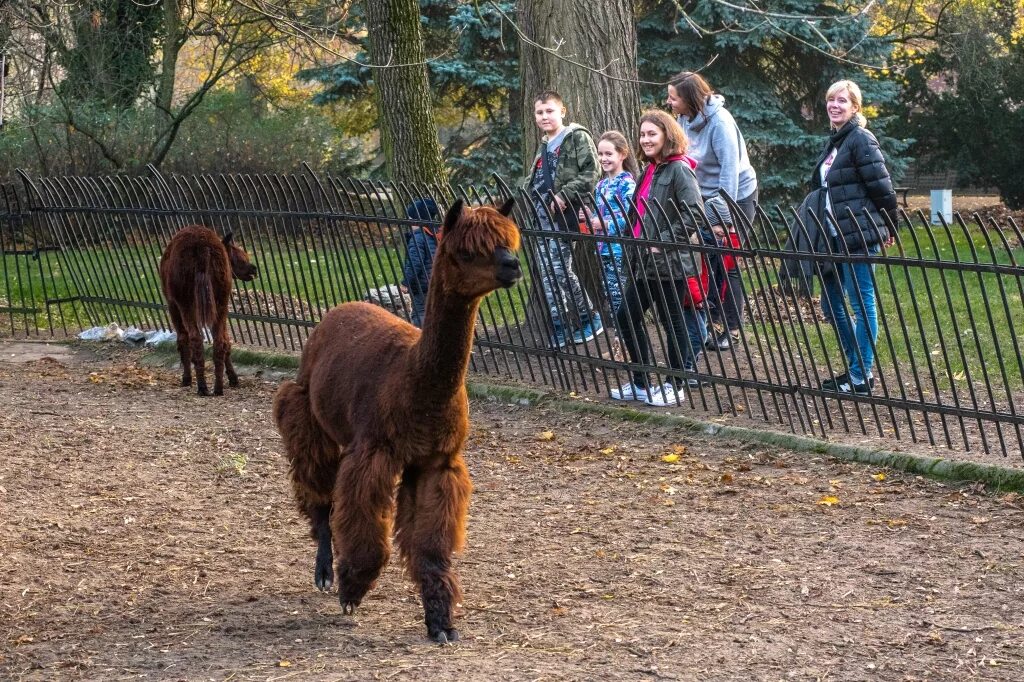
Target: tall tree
408, 130
600, 37
474, 85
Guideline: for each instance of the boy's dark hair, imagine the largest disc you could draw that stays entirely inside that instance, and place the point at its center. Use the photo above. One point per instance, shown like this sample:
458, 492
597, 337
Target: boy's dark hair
424, 208
549, 96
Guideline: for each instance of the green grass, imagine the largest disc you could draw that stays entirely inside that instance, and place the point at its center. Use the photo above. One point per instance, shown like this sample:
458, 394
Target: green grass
323, 278
963, 311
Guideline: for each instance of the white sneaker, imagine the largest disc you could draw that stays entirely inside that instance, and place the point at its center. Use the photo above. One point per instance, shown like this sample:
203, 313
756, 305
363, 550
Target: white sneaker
629, 391
666, 395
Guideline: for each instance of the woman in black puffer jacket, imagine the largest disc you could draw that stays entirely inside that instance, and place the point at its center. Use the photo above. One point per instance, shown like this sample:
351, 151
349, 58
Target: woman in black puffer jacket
861, 207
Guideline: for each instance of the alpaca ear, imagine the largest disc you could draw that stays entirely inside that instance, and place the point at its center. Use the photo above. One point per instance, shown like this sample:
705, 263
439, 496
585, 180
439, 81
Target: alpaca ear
506, 208
453, 215
228, 238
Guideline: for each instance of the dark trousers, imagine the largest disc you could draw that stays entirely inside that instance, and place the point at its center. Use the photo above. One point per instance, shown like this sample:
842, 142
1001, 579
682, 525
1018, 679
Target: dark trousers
726, 284
684, 328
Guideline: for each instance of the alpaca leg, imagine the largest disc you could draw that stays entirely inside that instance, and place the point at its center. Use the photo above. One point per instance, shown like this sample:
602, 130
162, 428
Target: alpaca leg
195, 339
313, 459
221, 349
183, 351
229, 367
441, 505
323, 571
361, 522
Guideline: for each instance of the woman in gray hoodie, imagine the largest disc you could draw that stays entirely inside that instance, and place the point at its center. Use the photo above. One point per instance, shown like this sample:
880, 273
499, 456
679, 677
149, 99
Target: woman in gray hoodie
717, 145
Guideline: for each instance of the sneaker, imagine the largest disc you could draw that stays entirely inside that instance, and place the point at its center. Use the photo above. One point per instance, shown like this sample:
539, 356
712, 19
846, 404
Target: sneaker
666, 395
589, 331
693, 382
726, 339
558, 340
842, 384
629, 391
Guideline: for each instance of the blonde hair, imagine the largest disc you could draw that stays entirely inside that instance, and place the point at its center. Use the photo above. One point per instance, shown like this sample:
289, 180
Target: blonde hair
855, 97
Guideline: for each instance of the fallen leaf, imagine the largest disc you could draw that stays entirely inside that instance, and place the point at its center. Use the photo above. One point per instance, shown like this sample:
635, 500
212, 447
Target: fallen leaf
284, 664
607, 451
546, 435
671, 459
980, 519
726, 478
878, 476
829, 500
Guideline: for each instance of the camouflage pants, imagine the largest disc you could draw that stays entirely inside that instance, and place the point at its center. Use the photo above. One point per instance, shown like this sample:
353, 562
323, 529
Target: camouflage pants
566, 299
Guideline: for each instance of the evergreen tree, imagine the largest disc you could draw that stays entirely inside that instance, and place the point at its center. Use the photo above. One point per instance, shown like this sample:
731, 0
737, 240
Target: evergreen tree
473, 80
772, 76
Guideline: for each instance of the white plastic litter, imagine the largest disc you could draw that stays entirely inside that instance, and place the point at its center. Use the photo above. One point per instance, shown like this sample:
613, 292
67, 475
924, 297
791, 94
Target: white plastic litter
159, 336
132, 335
108, 333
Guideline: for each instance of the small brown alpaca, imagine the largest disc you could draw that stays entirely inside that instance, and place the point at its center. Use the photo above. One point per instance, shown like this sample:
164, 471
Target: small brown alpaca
378, 405
195, 273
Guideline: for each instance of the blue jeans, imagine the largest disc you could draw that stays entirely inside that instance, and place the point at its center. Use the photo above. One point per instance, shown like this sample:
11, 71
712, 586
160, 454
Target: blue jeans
856, 283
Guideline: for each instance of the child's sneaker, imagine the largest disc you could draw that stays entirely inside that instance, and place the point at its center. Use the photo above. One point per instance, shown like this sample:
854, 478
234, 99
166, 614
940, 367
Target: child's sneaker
589, 331
558, 340
666, 395
629, 391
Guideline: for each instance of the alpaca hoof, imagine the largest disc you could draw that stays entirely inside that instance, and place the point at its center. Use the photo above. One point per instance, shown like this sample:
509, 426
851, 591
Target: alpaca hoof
202, 390
324, 578
186, 381
233, 382
449, 636
348, 608
219, 390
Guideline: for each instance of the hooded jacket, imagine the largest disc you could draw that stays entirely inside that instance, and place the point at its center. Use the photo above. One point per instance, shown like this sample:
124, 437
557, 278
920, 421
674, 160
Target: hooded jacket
576, 172
859, 184
721, 153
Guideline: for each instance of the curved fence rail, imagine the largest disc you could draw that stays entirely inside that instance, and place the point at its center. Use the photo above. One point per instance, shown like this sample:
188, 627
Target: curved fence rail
948, 368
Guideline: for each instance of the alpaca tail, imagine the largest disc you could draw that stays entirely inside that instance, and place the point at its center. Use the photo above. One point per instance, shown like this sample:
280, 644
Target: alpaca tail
312, 456
205, 309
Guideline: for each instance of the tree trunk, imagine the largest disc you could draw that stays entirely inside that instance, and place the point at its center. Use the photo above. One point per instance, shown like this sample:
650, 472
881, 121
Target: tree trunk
168, 60
408, 131
597, 34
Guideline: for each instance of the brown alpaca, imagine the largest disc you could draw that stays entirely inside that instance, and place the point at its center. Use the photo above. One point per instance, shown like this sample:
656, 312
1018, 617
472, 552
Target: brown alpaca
195, 273
378, 404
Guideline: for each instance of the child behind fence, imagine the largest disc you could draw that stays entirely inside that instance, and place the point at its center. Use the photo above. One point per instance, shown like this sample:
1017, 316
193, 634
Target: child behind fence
612, 199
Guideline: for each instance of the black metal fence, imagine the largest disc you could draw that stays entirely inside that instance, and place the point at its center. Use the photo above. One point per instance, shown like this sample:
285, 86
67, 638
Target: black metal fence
948, 368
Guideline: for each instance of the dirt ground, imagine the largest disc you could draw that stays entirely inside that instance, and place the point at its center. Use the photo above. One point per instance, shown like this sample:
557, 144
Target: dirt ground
147, 533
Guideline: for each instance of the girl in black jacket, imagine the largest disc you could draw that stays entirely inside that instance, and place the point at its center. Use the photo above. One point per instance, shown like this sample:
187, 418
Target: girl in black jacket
860, 206
671, 279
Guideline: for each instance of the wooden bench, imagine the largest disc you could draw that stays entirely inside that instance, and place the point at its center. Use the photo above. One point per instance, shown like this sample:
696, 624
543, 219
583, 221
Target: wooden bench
904, 191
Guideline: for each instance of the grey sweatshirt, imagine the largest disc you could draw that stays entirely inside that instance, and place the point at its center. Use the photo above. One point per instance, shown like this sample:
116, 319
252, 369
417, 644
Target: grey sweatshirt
722, 162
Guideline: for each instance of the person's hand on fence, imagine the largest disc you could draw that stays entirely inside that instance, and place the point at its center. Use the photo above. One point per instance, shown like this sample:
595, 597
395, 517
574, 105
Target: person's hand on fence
558, 204
719, 231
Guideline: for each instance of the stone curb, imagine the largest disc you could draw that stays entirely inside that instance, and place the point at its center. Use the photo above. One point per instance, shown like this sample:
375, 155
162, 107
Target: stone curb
996, 477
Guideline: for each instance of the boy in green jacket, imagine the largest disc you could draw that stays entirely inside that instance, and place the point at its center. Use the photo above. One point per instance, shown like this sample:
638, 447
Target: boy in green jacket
564, 172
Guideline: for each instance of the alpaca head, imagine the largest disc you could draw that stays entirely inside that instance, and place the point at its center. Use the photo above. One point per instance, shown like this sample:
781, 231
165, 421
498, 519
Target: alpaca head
478, 249
241, 267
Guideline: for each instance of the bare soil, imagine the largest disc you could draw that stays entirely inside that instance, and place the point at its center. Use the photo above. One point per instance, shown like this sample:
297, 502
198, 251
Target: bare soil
148, 533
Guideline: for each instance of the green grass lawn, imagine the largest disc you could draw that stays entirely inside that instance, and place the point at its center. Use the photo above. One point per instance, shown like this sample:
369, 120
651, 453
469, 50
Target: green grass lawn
955, 326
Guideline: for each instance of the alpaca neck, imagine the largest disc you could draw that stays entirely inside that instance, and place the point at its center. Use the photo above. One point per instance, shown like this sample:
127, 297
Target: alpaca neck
442, 353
